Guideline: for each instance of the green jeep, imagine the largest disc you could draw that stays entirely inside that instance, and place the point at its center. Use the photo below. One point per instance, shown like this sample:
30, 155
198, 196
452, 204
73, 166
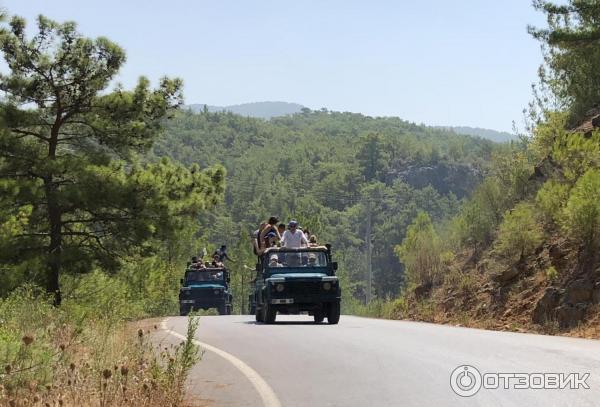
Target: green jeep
205, 288
295, 281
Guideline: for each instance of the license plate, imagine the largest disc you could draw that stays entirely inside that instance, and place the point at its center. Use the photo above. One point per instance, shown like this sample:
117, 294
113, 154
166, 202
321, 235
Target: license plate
283, 301
187, 301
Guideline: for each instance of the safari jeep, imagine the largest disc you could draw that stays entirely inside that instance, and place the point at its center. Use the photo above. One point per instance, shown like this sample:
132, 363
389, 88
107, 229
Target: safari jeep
205, 288
295, 281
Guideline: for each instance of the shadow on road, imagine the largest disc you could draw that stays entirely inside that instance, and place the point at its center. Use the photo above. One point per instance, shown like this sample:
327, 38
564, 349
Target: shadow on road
282, 323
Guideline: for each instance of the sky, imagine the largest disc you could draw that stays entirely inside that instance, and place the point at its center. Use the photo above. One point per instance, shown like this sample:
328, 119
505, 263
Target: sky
438, 62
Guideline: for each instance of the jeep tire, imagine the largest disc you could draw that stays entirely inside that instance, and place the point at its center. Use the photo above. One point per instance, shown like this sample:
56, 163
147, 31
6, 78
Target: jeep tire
333, 313
269, 314
258, 314
318, 316
222, 309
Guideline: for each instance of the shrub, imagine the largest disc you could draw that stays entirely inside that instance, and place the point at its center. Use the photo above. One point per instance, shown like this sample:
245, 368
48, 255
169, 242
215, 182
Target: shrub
519, 233
551, 198
421, 252
552, 273
582, 213
479, 217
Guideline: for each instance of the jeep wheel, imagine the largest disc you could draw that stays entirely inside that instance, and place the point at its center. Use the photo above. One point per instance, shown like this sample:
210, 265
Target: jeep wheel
269, 314
318, 316
222, 310
258, 315
228, 310
333, 313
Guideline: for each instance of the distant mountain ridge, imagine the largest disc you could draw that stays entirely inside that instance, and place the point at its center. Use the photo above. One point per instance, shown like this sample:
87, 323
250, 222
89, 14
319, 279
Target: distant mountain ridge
494, 135
262, 110
268, 110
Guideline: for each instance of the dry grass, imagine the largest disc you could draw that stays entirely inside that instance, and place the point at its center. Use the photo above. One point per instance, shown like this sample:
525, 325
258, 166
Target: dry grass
58, 362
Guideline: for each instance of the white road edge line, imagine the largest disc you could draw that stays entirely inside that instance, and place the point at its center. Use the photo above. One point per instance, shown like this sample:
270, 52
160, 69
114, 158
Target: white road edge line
266, 393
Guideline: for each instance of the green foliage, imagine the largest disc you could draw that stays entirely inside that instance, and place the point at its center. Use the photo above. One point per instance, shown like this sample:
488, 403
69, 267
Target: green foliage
551, 198
328, 170
421, 252
481, 214
520, 233
69, 152
571, 55
582, 212
576, 153
546, 133
552, 273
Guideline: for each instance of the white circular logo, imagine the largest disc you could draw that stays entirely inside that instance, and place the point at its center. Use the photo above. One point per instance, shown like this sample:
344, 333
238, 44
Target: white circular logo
465, 381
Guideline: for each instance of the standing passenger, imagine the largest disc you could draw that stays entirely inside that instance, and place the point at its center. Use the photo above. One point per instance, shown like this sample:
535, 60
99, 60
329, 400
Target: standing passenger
294, 238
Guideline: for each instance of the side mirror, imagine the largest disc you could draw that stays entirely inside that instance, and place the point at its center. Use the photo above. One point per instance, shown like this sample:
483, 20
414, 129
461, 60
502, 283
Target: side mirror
181, 281
334, 265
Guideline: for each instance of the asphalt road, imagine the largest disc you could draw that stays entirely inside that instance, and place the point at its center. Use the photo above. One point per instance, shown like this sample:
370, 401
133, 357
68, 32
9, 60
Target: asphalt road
369, 362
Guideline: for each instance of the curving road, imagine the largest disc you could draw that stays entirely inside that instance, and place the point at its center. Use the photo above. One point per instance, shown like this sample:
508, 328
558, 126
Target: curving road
369, 362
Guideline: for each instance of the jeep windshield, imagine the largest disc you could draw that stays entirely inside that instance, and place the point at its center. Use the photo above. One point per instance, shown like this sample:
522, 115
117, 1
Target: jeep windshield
297, 261
204, 277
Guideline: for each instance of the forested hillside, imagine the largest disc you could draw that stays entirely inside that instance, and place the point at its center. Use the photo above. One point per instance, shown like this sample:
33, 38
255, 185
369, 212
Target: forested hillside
522, 252
333, 172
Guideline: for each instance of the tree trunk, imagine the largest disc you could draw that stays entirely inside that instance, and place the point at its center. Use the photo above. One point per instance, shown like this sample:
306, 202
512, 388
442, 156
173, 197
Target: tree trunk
54, 221
55, 247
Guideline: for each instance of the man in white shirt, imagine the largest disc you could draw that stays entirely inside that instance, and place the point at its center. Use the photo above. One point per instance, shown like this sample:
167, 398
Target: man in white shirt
293, 238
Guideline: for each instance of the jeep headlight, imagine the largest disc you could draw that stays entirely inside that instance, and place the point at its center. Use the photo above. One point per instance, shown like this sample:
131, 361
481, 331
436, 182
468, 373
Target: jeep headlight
279, 288
327, 286
217, 291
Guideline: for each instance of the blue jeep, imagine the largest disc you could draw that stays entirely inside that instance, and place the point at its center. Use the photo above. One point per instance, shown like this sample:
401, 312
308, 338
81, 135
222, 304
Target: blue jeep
205, 288
295, 281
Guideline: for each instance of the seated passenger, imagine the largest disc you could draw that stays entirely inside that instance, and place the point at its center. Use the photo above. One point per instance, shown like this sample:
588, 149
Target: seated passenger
217, 261
312, 260
312, 242
274, 261
293, 238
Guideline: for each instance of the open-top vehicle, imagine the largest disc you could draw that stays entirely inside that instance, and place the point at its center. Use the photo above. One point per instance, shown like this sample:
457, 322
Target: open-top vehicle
295, 281
204, 288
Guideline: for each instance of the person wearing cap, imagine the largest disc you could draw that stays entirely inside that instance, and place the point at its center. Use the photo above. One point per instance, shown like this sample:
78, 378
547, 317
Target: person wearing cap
274, 261
312, 260
293, 238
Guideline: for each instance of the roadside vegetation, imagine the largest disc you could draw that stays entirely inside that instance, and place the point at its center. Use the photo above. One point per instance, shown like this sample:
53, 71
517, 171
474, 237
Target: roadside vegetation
92, 233
526, 241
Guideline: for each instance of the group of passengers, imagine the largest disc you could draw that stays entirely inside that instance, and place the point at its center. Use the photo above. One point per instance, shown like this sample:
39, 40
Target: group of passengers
274, 234
198, 264
218, 259
294, 260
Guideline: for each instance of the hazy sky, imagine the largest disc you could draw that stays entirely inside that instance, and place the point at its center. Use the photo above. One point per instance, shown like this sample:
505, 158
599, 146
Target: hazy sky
467, 62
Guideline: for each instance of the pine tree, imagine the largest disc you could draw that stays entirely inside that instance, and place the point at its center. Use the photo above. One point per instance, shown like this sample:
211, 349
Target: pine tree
68, 151
572, 54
